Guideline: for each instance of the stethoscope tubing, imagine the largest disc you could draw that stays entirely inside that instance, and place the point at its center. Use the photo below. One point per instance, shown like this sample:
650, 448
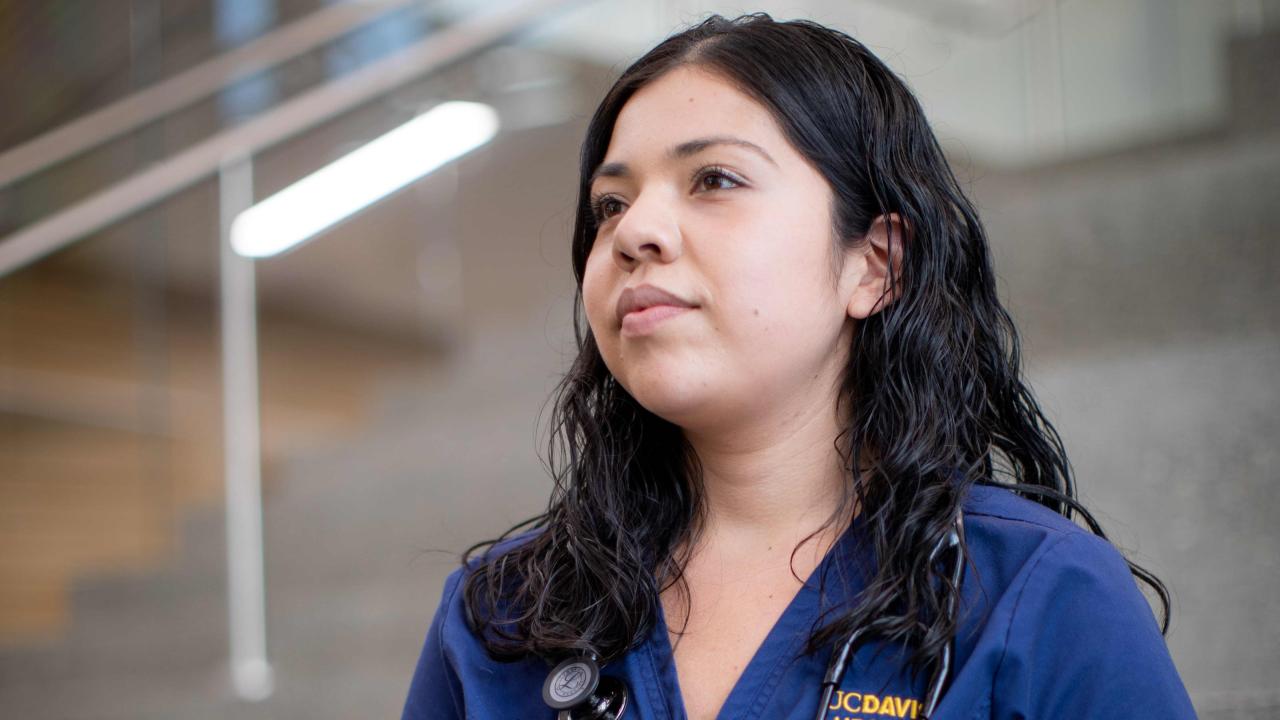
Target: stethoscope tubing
953, 541
612, 702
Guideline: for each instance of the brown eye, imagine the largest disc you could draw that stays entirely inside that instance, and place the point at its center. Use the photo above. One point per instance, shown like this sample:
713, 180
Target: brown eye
605, 207
716, 179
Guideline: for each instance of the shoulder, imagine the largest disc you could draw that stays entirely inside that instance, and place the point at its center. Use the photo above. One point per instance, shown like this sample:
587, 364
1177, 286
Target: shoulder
1002, 507
1049, 571
452, 601
454, 667
1015, 538
1066, 630
1030, 562
1040, 551
453, 604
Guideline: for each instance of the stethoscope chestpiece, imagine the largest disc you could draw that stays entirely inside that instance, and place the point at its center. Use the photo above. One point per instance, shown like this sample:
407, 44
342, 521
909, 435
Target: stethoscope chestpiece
576, 688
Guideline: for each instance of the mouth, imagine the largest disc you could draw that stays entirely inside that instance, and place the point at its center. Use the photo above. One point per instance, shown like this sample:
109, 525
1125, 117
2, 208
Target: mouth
642, 308
643, 322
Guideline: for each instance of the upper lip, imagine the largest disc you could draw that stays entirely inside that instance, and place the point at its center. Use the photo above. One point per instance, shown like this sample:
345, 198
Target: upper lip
646, 296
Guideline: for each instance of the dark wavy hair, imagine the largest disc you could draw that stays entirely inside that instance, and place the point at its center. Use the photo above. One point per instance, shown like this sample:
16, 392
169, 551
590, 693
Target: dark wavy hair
936, 401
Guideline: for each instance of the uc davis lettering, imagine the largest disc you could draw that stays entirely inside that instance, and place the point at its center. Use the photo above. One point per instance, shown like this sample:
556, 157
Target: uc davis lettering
860, 705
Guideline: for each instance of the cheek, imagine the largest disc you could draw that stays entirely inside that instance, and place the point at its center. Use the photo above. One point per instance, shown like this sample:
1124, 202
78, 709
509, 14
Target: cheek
597, 289
780, 282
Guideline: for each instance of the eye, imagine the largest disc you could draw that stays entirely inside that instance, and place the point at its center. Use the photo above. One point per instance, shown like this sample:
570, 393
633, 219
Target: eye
604, 207
714, 178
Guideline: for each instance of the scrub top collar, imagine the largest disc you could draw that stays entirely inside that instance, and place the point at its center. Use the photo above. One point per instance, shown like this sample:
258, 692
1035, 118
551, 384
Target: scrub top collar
829, 585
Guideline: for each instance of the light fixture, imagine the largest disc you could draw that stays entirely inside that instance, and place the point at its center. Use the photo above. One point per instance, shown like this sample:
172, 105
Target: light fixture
362, 177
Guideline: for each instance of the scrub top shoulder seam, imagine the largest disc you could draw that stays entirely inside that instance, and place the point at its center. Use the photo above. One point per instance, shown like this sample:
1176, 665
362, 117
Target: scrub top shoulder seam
981, 508
1070, 529
1045, 552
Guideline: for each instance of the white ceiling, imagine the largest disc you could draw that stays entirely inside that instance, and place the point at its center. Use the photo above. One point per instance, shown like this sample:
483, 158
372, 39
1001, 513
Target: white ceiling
1005, 82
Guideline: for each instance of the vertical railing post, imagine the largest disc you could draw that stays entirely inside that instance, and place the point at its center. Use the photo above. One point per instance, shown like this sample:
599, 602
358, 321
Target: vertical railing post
251, 674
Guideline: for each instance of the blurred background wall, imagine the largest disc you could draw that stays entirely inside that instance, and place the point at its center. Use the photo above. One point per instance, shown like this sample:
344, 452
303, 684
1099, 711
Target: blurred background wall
1125, 155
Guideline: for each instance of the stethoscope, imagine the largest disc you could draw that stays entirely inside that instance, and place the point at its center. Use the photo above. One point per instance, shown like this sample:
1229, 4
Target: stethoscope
578, 691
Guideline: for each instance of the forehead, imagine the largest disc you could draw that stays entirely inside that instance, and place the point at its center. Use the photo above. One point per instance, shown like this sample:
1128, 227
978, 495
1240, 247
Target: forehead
685, 103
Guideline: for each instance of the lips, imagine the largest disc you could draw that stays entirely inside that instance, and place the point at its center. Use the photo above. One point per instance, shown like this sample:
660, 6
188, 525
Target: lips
643, 297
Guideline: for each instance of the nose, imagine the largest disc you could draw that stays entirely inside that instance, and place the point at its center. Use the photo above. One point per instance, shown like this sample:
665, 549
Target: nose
647, 232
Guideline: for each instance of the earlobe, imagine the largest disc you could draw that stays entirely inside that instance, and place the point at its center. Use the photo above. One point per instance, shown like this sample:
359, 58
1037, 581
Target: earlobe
881, 245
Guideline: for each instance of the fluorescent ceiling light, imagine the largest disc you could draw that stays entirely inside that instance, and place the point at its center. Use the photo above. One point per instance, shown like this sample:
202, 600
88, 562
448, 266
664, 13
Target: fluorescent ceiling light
362, 177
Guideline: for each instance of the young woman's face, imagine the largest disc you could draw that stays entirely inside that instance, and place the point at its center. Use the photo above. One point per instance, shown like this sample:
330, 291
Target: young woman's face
701, 196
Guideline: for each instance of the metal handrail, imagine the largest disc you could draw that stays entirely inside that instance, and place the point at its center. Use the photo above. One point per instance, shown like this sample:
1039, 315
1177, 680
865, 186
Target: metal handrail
290, 118
188, 87
229, 154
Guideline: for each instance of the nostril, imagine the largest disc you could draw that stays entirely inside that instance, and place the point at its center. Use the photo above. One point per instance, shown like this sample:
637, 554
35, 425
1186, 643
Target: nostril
651, 248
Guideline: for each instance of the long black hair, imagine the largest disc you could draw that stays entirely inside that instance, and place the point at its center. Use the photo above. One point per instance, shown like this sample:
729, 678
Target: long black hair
933, 386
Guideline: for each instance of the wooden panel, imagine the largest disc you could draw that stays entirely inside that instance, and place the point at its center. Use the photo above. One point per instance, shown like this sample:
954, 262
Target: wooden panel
109, 432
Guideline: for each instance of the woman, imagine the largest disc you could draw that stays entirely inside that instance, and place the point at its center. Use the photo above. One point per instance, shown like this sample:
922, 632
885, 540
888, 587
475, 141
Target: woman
798, 474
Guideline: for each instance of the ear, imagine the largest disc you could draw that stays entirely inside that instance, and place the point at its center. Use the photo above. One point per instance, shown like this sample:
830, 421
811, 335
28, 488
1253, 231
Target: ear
871, 257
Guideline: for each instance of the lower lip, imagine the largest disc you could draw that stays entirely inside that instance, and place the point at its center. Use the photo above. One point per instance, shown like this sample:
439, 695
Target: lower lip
643, 322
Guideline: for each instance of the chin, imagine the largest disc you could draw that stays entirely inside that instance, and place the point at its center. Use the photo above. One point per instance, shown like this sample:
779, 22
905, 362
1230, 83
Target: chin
677, 383
676, 398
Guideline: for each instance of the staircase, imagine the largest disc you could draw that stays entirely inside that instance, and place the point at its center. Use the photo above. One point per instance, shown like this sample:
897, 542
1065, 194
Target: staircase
359, 536
108, 441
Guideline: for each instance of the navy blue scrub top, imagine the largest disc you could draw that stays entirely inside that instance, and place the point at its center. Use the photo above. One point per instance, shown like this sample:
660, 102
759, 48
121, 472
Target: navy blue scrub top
1052, 625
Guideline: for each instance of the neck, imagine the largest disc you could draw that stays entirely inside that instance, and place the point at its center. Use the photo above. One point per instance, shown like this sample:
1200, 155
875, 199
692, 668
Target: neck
775, 481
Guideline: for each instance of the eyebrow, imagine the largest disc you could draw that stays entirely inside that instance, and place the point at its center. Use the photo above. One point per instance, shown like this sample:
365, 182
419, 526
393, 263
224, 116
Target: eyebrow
683, 150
